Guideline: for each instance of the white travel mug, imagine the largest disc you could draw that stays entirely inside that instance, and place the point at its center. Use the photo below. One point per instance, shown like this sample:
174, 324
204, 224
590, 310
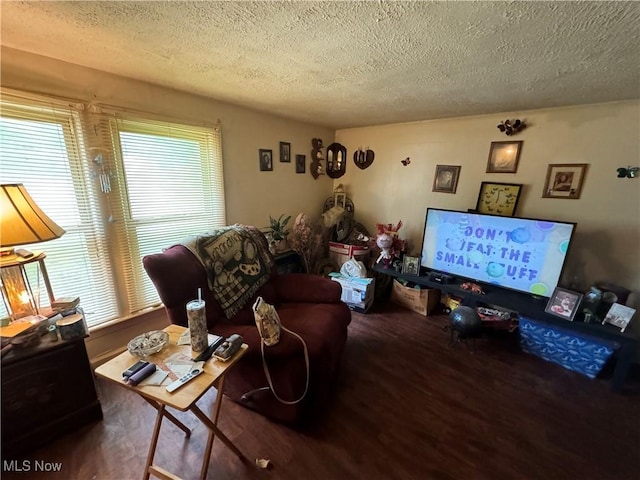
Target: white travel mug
197, 325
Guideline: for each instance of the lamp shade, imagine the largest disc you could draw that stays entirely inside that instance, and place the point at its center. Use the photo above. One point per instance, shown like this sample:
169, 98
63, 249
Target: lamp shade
21, 220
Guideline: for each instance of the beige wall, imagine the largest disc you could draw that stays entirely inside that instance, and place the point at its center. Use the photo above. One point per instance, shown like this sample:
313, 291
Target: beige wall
605, 136
251, 195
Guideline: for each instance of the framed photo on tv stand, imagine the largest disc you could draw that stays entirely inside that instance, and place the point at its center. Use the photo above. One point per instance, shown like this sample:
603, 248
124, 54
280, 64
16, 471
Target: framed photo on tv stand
410, 265
564, 303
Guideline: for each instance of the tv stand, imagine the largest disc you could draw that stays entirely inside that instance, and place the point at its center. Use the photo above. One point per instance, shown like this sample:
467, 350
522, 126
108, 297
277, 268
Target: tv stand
533, 306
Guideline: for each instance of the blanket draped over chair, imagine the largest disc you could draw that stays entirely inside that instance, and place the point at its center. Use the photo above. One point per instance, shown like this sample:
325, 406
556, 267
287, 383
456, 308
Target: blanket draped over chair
237, 262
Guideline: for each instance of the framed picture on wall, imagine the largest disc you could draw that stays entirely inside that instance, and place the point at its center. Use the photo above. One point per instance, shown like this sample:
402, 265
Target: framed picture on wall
564, 303
446, 178
285, 152
504, 157
301, 162
498, 198
266, 160
564, 180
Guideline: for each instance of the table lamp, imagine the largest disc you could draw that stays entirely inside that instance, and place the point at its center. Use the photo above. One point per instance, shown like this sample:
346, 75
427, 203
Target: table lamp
22, 222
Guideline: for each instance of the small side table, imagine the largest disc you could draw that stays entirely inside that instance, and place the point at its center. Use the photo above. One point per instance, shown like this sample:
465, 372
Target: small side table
183, 399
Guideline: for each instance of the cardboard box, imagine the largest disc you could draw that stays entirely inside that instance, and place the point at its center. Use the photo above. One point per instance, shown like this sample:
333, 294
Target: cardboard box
341, 252
357, 293
422, 300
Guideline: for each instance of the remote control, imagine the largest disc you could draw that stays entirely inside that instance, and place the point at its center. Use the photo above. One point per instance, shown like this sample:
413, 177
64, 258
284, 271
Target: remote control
172, 387
206, 354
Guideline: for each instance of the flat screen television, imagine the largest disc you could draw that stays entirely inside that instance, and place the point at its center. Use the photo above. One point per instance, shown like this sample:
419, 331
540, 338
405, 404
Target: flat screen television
523, 254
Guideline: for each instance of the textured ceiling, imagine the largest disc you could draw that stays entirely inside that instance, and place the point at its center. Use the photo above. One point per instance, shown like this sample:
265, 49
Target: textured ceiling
353, 63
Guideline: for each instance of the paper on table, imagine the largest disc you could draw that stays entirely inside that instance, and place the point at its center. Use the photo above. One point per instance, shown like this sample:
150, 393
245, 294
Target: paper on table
181, 364
156, 378
185, 338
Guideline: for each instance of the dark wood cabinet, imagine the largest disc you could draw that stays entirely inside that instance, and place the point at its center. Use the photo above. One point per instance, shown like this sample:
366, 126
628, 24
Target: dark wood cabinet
47, 390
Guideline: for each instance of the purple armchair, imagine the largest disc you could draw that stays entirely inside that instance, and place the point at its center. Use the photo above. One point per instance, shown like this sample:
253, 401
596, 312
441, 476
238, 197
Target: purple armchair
306, 304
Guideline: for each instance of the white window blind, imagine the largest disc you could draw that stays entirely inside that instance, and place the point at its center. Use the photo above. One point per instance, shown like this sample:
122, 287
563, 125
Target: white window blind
172, 187
39, 148
121, 186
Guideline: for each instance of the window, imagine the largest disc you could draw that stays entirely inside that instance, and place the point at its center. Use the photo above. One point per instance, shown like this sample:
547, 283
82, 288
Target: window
121, 187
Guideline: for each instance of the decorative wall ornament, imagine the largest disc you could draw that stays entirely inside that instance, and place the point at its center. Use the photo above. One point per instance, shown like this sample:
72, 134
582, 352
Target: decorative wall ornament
406, 161
315, 168
363, 158
509, 128
336, 160
629, 172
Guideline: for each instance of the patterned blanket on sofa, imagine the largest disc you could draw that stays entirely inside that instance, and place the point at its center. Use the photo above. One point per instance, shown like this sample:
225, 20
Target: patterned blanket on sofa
237, 262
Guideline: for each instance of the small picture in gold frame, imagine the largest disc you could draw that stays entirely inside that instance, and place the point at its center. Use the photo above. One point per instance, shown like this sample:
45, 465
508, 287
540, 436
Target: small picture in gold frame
498, 198
504, 157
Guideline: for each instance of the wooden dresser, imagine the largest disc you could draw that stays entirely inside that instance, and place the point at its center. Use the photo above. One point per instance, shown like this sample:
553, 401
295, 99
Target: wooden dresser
47, 391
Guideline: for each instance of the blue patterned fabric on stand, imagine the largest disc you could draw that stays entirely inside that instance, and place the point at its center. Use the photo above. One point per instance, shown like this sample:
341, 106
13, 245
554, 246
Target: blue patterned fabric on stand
575, 351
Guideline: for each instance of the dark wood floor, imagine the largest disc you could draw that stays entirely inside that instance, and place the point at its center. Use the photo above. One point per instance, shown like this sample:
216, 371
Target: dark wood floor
405, 407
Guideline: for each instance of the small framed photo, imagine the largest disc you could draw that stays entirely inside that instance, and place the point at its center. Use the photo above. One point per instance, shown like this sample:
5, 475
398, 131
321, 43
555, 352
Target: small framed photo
498, 198
410, 265
285, 152
504, 157
564, 303
564, 180
446, 178
619, 315
266, 160
340, 200
301, 162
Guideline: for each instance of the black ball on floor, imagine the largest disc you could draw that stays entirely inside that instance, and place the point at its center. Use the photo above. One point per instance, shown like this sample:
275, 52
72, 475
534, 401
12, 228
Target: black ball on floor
465, 321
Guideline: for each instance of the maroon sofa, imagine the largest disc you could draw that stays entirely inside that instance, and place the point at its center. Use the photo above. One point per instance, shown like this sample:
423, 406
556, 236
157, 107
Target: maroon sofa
307, 304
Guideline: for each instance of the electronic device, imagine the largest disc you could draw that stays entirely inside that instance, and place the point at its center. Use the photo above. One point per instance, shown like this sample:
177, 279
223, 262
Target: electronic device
206, 354
173, 386
523, 254
230, 346
141, 374
439, 277
136, 367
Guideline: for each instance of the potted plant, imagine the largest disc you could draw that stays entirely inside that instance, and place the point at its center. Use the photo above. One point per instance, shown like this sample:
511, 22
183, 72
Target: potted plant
279, 233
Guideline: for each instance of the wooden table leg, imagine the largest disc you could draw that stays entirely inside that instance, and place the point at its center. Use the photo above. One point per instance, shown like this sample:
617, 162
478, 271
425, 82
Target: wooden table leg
215, 412
169, 416
154, 441
207, 421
